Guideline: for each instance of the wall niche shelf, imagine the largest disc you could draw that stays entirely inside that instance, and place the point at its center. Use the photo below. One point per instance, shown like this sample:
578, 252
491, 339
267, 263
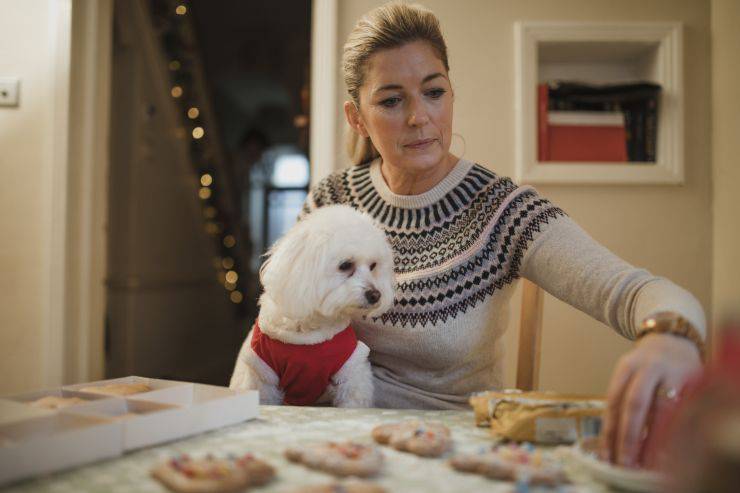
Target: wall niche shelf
600, 53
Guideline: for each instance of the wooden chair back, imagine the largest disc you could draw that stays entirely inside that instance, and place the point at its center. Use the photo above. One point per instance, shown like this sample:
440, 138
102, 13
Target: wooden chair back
530, 337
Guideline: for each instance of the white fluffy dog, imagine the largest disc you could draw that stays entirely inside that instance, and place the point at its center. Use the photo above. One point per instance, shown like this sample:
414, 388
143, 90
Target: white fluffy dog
331, 267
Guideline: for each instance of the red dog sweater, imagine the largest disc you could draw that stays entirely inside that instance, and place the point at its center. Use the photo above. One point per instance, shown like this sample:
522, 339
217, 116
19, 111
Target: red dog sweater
304, 370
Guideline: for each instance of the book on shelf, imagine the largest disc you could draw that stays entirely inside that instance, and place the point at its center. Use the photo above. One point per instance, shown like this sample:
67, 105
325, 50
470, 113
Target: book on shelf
597, 118
579, 136
637, 102
599, 96
589, 143
651, 130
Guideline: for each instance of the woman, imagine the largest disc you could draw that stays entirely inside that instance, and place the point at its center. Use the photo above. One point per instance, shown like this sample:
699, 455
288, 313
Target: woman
463, 235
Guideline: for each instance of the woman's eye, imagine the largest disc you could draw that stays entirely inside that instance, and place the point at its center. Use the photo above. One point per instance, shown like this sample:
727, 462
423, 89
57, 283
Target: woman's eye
372, 266
436, 93
346, 266
390, 102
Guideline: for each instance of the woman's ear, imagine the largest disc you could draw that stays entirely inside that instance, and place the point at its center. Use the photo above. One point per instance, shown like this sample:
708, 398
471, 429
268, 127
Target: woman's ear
354, 118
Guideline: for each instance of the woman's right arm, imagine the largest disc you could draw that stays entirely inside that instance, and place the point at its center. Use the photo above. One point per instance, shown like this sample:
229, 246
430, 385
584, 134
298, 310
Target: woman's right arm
567, 263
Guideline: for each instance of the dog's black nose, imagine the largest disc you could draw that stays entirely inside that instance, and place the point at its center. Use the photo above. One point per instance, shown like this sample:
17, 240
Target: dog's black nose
372, 296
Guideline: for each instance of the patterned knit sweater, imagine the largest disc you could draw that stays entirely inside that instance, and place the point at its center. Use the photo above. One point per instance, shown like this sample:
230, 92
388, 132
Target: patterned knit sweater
458, 249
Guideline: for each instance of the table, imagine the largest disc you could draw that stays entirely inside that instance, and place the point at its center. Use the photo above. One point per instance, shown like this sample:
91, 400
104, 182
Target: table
281, 426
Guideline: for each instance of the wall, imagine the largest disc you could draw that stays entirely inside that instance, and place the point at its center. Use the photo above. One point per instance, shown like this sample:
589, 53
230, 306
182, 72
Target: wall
27, 139
665, 229
725, 152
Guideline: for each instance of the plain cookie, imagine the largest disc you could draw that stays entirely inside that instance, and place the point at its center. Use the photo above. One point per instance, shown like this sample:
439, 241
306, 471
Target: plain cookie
117, 389
54, 402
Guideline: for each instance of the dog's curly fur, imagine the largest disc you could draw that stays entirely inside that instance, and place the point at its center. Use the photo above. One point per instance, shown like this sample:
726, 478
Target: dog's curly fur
317, 278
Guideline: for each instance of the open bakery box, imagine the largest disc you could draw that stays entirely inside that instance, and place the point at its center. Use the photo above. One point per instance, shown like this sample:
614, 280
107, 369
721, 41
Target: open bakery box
36, 440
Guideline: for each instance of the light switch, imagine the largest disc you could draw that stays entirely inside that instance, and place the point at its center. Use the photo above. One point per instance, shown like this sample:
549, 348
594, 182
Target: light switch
9, 91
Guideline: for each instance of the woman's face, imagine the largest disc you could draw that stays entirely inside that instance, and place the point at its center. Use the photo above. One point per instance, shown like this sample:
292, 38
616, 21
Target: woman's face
406, 107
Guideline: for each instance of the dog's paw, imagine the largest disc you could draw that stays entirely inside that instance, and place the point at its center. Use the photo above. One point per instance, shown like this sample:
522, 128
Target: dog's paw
356, 404
357, 400
271, 396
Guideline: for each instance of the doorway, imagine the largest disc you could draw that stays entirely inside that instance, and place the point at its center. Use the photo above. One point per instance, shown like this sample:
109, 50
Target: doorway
208, 165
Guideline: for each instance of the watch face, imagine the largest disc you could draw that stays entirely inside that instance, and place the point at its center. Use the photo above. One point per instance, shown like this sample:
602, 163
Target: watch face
664, 320
650, 323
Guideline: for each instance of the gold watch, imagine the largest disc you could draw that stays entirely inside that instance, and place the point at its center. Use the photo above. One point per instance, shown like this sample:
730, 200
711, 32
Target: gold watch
674, 324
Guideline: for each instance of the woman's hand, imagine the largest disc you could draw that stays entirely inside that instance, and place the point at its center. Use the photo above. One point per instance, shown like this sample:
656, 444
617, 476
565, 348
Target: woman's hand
657, 361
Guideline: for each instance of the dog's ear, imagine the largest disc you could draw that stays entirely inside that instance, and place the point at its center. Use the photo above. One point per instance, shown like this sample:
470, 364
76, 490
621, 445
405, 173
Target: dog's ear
293, 273
386, 281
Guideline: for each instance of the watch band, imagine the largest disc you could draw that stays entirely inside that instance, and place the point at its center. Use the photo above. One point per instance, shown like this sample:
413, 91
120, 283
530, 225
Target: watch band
674, 324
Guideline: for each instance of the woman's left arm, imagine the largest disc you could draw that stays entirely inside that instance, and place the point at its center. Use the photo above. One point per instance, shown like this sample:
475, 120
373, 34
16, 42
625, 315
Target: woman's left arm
566, 262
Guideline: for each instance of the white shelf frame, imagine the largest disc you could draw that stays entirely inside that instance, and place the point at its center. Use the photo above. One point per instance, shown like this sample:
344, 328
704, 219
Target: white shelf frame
668, 72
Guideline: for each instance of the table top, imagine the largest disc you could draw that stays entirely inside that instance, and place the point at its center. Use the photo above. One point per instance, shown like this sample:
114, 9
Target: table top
278, 427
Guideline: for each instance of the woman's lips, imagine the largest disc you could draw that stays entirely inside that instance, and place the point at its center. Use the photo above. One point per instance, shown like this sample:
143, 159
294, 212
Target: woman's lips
420, 144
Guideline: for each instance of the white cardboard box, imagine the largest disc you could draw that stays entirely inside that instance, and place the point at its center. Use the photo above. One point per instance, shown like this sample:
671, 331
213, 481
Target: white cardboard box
153, 423
37, 441
41, 445
207, 404
11, 411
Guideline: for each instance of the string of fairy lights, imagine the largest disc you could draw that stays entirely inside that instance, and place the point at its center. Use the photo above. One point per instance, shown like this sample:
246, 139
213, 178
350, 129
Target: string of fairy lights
171, 18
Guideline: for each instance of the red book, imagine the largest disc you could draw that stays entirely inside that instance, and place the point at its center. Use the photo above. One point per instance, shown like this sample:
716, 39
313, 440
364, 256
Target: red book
587, 143
578, 136
591, 136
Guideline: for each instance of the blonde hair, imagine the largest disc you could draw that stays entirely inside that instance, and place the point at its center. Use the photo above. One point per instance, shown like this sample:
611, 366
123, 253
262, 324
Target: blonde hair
389, 26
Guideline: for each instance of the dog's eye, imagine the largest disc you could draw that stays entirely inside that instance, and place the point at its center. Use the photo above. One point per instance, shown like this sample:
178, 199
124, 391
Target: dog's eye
346, 266
372, 266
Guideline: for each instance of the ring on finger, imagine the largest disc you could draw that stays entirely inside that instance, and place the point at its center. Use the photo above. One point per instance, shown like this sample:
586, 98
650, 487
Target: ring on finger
666, 393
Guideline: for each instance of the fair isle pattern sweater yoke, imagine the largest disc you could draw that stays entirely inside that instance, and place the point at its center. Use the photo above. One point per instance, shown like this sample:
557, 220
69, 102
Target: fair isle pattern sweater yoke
454, 247
458, 250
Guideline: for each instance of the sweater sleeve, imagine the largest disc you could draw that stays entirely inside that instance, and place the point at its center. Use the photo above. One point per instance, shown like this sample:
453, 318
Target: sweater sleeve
567, 263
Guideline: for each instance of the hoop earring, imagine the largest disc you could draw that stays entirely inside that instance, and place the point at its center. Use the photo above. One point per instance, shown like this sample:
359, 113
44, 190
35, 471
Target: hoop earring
462, 154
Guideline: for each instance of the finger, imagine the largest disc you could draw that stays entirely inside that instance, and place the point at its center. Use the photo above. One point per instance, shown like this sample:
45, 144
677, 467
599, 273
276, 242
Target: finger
660, 410
619, 381
635, 406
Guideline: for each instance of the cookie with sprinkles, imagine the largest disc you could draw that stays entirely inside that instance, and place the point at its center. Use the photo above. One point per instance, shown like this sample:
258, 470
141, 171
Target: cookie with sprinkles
427, 439
349, 486
520, 463
339, 458
211, 474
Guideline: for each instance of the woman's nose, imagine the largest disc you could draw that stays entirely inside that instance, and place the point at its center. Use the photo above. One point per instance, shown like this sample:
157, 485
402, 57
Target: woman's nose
418, 116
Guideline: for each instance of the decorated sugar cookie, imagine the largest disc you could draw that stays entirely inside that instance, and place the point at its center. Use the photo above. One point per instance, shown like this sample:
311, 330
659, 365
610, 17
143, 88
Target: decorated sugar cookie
211, 474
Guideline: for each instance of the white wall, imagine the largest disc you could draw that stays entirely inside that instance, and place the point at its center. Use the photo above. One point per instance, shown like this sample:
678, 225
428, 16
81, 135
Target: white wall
665, 229
29, 137
725, 158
